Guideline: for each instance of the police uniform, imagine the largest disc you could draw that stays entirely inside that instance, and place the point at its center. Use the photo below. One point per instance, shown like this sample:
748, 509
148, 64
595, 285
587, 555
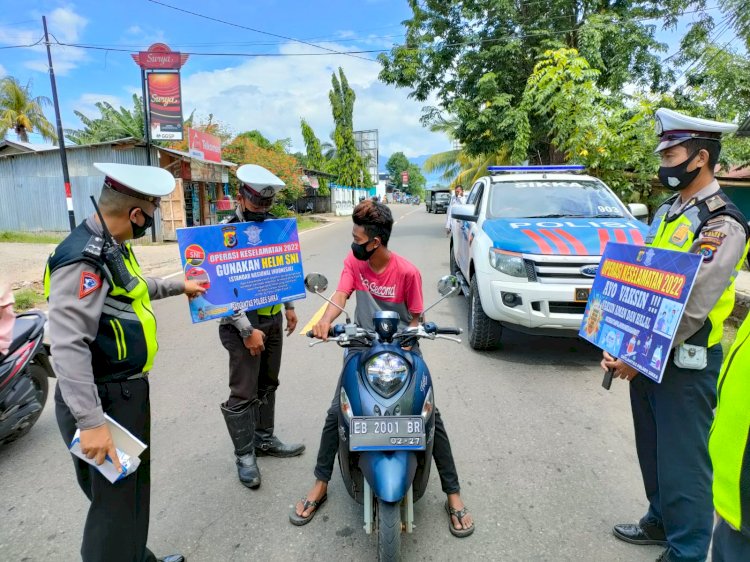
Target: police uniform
672, 419
103, 335
249, 411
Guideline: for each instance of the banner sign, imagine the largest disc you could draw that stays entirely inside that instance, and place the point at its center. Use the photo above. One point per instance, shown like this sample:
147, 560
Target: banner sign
244, 266
204, 146
165, 105
636, 304
160, 57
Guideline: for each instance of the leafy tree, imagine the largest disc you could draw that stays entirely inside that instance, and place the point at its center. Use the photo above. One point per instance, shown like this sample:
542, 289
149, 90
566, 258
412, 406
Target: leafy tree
255, 136
243, 150
112, 124
348, 165
314, 157
397, 164
23, 112
476, 57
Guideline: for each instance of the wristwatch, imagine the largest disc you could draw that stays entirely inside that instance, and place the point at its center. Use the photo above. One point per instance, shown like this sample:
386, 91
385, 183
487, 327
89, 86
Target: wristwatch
288, 306
245, 332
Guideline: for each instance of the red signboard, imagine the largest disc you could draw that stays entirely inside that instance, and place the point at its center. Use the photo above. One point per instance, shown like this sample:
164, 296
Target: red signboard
204, 146
165, 105
405, 178
160, 57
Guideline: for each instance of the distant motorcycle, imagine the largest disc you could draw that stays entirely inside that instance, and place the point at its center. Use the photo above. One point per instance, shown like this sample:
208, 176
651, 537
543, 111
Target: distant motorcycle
386, 419
23, 377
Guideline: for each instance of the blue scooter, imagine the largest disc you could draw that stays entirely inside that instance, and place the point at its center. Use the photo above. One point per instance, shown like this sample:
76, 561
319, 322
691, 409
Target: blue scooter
386, 419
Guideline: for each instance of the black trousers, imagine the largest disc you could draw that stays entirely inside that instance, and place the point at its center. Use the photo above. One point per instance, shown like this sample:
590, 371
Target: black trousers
251, 378
672, 421
729, 545
116, 526
329, 446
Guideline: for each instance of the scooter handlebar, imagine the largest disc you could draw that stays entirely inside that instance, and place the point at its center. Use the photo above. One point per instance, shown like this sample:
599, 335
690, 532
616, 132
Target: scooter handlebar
333, 331
450, 331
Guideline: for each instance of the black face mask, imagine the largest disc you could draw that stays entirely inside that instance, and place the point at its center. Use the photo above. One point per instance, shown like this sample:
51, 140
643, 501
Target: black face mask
254, 216
139, 231
677, 177
361, 252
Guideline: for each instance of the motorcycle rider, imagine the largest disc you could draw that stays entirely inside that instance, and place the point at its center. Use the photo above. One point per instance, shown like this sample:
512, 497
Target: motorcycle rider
382, 280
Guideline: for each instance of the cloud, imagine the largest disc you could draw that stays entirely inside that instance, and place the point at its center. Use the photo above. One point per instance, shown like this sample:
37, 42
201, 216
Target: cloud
86, 104
134, 30
271, 94
65, 26
3, 72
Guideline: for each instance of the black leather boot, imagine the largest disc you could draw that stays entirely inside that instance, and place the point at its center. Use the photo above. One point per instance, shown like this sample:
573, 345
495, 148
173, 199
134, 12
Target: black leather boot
240, 422
266, 443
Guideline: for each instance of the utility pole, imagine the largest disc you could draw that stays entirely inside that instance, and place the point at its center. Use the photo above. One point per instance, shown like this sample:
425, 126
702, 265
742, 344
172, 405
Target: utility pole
147, 135
60, 134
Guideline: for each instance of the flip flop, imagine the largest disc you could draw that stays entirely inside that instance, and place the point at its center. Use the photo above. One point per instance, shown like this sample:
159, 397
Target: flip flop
459, 514
299, 520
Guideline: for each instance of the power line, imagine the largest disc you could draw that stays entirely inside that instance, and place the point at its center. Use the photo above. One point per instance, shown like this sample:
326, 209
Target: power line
22, 46
258, 30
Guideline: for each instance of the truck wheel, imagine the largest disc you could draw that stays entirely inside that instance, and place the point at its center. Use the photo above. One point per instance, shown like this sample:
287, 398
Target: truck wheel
484, 332
389, 531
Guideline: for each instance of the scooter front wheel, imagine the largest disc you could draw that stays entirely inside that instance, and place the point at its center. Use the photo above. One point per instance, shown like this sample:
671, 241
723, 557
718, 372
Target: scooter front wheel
389, 531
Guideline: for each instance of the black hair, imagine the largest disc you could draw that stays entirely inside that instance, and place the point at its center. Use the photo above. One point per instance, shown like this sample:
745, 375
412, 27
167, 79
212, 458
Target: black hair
375, 218
713, 147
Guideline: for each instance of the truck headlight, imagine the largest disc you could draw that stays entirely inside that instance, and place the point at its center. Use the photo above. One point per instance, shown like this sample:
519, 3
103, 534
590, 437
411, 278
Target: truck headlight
387, 373
509, 263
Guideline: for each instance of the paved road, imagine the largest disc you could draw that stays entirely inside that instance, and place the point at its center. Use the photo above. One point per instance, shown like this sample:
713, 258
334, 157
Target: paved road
546, 457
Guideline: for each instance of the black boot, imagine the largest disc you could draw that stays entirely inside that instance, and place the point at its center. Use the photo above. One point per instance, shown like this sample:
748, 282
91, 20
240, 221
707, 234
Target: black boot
240, 422
266, 443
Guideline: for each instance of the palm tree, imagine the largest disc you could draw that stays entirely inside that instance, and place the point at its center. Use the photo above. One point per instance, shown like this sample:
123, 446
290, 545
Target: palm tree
22, 112
458, 167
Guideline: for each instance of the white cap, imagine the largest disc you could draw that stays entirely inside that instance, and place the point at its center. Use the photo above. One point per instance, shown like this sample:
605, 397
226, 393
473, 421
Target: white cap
262, 183
675, 128
143, 182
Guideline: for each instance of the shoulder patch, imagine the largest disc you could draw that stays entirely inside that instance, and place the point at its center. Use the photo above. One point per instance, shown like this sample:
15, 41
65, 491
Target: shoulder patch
715, 202
90, 282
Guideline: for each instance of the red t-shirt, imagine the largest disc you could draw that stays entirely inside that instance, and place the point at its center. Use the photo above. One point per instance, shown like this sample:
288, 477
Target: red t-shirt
399, 283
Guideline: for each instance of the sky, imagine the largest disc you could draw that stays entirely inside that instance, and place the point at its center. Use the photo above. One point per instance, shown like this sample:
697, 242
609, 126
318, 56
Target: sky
268, 93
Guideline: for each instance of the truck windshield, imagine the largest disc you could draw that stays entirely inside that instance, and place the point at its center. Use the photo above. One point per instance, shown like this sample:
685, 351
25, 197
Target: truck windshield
552, 198
443, 196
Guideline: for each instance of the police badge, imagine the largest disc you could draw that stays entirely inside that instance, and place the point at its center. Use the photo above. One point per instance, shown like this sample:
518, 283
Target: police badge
253, 235
230, 236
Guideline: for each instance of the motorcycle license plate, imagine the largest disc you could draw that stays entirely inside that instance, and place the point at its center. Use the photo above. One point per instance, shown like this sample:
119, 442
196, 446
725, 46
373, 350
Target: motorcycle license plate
393, 433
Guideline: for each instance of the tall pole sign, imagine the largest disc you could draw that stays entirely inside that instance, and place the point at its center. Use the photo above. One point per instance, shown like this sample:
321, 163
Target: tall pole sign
60, 133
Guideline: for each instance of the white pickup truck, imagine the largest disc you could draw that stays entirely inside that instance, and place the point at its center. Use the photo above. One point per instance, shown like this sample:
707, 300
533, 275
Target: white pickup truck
527, 244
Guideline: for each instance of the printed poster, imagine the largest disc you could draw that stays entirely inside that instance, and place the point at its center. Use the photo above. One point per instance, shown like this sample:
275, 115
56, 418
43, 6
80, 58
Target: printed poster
244, 266
636, 304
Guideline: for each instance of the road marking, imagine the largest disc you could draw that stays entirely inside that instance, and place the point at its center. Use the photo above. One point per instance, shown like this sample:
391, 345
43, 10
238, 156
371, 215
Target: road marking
404, 216
314, 320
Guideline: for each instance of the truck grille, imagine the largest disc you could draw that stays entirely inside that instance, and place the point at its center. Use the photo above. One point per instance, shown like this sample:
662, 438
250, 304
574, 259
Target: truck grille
567, 307
559, 269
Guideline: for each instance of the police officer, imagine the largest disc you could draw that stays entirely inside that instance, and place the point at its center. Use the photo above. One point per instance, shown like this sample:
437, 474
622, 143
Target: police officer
672, 419
254, 341
730, 454
103, 336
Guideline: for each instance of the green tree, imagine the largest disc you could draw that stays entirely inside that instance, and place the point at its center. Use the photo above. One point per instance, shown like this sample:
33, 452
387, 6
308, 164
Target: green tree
476, 57
22, 112
279, 145
314, 158
112, 124
399, 163
347, 165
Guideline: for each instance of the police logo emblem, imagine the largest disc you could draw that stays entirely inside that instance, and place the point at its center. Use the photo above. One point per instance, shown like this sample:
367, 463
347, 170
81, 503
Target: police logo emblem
680, 235
89, 283
253, 235
267, 191
230, 236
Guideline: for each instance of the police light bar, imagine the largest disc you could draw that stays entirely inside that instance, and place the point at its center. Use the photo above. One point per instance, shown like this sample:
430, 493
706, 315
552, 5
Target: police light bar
518, 169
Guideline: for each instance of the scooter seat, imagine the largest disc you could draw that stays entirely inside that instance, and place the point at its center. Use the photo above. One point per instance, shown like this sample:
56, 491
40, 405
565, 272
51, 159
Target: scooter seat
23, 329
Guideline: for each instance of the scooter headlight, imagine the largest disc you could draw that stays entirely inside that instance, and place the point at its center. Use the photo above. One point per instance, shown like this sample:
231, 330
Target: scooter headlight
387, 373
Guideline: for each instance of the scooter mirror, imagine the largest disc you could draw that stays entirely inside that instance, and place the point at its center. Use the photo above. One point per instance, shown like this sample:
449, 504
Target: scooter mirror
316, 283
448, 285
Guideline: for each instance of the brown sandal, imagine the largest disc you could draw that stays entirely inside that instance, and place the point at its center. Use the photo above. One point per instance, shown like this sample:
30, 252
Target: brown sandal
458, 514
300, 520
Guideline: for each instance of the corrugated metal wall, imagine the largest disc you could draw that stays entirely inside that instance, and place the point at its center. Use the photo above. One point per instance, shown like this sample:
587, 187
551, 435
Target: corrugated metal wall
32, 192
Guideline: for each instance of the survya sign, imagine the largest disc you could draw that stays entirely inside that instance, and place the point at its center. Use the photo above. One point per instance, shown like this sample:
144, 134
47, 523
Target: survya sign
160, 72
636, 304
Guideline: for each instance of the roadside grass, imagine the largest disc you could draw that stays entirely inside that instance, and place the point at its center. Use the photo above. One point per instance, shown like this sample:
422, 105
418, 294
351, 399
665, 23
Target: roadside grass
26, 299
306, 224
31, 237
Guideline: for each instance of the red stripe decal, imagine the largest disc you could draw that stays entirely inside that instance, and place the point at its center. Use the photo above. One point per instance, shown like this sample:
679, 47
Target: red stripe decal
603, 239
562, 248
620, 236
541, 242
579, 248
637, 237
